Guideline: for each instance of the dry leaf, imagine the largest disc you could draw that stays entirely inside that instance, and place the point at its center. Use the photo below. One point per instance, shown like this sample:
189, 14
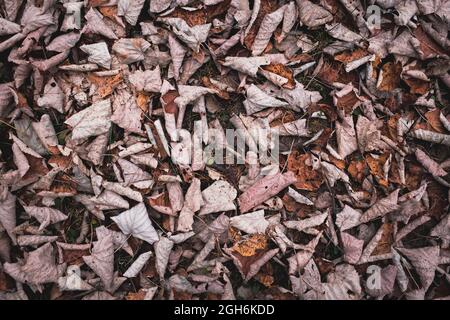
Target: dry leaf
136, 222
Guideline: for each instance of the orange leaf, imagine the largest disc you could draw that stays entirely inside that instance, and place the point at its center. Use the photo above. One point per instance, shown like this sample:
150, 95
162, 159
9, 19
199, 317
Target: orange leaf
434, 121
349, 56
284, 72
357, 170
391, 76
307, 178
105, 85
249, 246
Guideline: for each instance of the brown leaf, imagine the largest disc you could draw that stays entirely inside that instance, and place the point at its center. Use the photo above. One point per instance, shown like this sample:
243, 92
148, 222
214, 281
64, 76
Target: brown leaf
249, 246
376, 167
105, 85
357, 170
387, 239
391, 76
428, 46
221, 93
307, 178
349, 56
434, 121
282, 71
266, 7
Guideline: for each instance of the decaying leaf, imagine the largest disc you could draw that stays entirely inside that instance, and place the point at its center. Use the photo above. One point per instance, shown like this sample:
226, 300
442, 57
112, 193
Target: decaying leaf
136, 222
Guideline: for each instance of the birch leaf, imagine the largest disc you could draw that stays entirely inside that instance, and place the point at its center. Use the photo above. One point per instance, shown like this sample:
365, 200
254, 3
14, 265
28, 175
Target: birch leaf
136, 222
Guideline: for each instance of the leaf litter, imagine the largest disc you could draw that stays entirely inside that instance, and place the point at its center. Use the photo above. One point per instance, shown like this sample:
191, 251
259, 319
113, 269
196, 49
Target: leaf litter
103, 196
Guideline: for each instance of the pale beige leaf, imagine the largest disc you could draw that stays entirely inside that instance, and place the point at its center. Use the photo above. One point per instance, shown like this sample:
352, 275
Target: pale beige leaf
8, 27
257, 100
34, 240
8, 212
268, 26
313, 15
45, 215
98, 53
177, 52
148, 80
53, 97
130, 9
425, 260
39, 267
127, 113
307, 223
92, 121
64, 42
95, 24
264, 189
137, 265
247, 65
136, 222
432, 166
381, 207
353, 248
346, 137
348, 218
130, 50
253, 222
163, 247
218, 197
102, 260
